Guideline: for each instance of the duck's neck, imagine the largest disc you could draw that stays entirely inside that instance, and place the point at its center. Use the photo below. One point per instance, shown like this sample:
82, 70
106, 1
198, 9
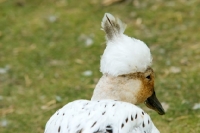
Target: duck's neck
117, 88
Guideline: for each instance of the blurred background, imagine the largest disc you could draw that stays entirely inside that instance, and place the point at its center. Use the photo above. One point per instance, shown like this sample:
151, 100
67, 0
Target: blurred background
50, 52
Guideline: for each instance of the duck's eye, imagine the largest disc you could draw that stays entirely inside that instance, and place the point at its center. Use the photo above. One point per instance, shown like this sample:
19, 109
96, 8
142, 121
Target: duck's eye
148, 77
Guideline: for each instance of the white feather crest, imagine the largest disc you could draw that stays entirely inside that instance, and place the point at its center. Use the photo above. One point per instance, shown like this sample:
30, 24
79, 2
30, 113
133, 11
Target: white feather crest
123, 54
112, 26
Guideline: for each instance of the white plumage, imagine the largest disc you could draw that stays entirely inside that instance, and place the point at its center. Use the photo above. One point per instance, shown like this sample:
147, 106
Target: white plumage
127, 80
123, 54
105, 116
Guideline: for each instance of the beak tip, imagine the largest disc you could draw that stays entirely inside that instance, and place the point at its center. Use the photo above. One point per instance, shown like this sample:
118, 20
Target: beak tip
153, 103
161, 113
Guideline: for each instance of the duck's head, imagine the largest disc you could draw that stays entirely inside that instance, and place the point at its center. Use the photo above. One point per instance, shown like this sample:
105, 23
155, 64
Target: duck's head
125, 64
140, 89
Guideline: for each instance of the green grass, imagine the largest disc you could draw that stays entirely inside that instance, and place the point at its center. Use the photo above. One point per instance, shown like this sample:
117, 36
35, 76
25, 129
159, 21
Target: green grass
46, 59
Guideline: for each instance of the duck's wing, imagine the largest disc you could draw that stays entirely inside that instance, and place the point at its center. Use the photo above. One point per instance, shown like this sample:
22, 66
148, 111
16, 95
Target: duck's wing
104, 116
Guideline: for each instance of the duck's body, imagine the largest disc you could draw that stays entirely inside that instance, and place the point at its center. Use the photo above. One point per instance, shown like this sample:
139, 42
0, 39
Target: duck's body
127, 80
104, 116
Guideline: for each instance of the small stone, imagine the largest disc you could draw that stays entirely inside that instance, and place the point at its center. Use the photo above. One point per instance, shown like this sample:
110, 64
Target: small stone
88, 42
87, 39
196, 106
4, 70
162, 51
184, 61
87, 73
58, 99
165, 106
1, 97
138, 21
52, 18
4, 123
79, 61
174, 69
168, 62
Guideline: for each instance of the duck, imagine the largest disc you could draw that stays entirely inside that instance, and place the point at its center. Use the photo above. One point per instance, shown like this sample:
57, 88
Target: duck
127, 80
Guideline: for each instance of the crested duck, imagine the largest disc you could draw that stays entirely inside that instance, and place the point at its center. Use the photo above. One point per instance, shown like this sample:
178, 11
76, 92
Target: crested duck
127, 80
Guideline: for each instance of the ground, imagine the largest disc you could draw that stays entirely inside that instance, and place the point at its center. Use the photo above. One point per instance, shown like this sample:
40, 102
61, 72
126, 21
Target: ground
50, 53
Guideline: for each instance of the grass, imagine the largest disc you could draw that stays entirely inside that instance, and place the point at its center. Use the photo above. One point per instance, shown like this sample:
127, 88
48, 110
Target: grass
44, 57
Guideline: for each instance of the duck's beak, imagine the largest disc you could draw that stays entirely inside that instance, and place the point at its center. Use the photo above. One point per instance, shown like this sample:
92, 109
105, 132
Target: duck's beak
153, 103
